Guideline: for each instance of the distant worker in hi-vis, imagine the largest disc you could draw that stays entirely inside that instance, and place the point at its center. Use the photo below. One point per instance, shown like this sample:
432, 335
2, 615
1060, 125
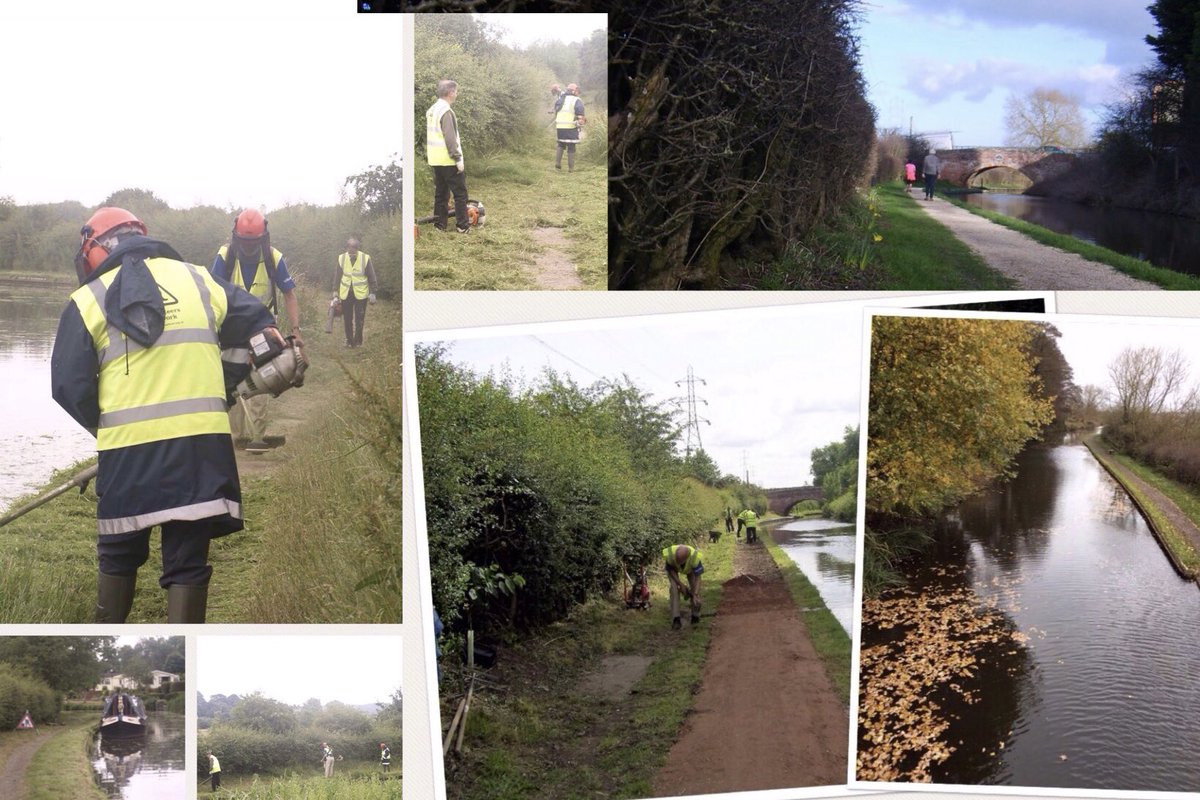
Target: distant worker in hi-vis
687, 560
250, 262
354, 285
443, 151
214, 771
568, 119
138, 360
385, 757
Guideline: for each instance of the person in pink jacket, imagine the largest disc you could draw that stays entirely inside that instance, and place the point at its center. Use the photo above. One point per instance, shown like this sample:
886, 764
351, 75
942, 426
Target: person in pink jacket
910, 176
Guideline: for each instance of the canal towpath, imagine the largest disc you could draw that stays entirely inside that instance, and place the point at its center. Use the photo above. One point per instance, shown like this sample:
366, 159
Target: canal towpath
12, 773
1030, 264
766, 715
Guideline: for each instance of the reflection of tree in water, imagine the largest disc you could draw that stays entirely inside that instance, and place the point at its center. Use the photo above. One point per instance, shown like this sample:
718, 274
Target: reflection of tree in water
1119, 510
831, 565
1011, 521
942, 676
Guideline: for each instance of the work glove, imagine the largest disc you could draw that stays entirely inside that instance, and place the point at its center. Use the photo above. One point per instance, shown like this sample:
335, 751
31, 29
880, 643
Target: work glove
371, 297
461, 165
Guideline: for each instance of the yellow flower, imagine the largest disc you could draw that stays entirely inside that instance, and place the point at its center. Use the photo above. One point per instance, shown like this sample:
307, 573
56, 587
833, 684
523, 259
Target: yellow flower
877, 238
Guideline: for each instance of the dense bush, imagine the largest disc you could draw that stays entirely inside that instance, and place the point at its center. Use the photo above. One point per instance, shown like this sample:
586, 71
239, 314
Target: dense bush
554, 483
21, 692
733, 133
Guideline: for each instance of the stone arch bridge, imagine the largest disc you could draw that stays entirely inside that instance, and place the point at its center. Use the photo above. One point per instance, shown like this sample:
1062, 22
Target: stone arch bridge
962, 164
780, 500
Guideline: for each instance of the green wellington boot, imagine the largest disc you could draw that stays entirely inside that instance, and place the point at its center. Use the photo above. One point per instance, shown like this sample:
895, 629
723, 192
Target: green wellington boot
114, 597
186, 603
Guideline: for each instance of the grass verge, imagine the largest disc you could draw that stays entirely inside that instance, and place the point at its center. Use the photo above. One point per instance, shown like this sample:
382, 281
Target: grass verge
830, 639
357, 782
917, 252
520, 192
1180, 547
1135, 267
533, 732
61, 769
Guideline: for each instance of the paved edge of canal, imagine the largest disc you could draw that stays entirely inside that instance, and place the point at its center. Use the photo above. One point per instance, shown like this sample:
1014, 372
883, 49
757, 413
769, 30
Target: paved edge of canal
1151, 503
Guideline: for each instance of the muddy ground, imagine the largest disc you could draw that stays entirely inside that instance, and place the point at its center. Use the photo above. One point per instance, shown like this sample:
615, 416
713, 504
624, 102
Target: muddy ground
766, 715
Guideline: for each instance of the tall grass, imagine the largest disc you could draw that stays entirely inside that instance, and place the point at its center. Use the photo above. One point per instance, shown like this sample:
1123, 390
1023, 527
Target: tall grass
315, 788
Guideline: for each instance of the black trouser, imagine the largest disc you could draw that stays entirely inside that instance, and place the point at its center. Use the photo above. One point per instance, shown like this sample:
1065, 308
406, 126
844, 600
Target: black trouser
448, 181
184, 553
751, 534
729, 526
354, 314
216, 781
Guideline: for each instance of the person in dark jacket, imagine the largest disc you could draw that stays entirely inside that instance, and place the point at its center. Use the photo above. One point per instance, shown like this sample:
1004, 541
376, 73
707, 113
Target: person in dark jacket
145, 355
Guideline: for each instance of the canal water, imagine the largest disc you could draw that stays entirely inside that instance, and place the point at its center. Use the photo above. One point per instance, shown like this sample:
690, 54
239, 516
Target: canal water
149, 767
36, 436
1165, 240
823, 549
1105, 692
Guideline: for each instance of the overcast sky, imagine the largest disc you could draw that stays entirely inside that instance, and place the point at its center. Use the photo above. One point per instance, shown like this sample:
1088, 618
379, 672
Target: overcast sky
777, 383
351, 669
1090, 346
522, 30
950, 64
226, 106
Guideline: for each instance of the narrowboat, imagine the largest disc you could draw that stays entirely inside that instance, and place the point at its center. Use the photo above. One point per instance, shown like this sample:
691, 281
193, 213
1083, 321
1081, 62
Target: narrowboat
123, 716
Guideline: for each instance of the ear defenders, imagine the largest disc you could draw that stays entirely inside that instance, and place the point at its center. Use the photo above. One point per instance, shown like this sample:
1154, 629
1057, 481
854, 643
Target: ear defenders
91, 253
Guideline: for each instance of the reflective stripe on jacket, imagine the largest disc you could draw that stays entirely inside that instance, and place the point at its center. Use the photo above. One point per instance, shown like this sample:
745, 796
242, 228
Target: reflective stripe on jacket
174, 387
354, 275
436, 151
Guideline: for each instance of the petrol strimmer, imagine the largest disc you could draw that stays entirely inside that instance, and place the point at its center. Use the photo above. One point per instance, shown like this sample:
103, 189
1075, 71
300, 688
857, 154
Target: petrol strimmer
476, 214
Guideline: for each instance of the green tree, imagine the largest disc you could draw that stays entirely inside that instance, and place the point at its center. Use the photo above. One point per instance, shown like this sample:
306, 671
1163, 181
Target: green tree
377, 190
263, 714
701, 466
952, 402
1177, 46
66, 663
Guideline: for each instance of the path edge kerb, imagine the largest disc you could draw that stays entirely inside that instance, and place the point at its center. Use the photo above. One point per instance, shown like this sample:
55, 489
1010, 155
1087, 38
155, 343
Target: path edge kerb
1129, 487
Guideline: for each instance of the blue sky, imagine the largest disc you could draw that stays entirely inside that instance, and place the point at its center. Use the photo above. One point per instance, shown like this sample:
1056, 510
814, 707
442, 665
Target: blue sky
951, 64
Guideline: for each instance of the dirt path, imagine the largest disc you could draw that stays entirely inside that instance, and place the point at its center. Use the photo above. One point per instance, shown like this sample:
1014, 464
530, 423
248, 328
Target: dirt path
1031, 264
1182, 522
766, 715
555, 269
12, 773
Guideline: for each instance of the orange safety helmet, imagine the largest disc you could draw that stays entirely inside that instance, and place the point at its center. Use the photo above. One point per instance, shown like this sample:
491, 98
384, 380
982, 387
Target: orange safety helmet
250, 224
91, 253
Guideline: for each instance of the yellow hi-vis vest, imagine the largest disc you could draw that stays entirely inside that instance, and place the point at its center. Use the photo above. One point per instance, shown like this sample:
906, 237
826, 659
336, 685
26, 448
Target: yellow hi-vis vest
566, 114
436, 151
261, 286
215, 766
173, 388
354, 276
693, 559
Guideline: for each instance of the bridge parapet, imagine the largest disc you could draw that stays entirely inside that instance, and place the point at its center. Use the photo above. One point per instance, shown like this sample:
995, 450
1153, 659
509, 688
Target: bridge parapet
963, 163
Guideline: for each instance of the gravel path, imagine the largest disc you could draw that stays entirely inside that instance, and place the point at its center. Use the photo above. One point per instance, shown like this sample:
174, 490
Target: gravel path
12, 774
1031, 264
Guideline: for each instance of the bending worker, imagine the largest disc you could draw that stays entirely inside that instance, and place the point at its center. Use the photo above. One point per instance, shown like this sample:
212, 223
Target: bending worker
214, 771
568, 111
251, 263
137, 361
354, 283
443, 151
682, 558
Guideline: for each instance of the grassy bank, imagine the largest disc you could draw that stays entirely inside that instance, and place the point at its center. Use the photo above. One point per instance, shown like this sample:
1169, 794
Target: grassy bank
62, 769
830, 639
539, 734
354, 782
1135, 267
322, 538
918, 252
521, 192
1181, 549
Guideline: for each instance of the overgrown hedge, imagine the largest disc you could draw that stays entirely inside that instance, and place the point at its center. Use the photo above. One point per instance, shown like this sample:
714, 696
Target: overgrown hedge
735, 131
20, 692
1169, 442
558, 484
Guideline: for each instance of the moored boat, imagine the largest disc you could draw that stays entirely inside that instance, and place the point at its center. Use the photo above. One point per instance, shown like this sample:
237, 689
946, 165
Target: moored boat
123, 715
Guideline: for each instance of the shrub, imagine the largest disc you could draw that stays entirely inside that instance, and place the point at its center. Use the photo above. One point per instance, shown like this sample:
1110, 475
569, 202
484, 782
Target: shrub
21, 692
